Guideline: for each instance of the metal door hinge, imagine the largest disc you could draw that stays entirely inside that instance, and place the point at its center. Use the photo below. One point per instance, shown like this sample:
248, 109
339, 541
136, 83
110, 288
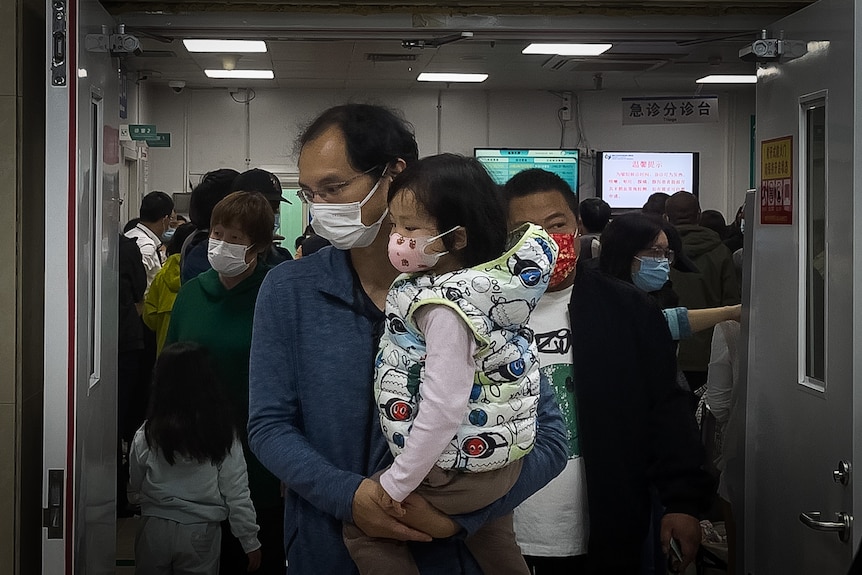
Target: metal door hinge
58, 43
118, 43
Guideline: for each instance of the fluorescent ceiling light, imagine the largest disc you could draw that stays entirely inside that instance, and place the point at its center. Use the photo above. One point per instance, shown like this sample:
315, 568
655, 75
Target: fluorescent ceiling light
567, 49
253, 74
728, 79
226, 46
450, 77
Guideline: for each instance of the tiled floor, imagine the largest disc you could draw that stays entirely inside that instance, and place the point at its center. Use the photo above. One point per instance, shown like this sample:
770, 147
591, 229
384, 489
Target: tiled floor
126, 528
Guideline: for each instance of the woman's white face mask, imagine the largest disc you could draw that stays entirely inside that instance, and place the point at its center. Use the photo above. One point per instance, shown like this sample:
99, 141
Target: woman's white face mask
342, 225
227, 259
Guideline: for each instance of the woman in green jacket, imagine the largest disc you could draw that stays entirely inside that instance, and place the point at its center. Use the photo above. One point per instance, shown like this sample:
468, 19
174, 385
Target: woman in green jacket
216, 310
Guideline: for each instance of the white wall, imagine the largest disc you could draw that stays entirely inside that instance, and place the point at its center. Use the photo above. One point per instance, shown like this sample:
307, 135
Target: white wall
208, 130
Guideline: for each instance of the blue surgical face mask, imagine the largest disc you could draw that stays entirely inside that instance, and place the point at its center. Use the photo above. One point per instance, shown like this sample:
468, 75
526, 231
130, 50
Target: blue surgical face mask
653, 273
169, 233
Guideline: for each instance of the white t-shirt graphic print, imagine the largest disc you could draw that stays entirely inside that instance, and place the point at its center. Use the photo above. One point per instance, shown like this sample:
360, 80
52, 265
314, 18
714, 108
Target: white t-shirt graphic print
554, 521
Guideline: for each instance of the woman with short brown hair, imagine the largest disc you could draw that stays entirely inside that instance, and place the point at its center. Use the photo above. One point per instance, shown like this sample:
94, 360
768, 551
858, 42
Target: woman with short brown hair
215, 310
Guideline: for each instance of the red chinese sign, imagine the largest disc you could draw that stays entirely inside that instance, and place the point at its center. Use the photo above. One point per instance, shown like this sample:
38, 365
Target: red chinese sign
776, 181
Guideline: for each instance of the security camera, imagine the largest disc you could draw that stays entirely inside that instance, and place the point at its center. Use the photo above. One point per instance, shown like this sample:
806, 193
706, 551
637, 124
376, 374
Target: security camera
763, 50
768, 49
177, 85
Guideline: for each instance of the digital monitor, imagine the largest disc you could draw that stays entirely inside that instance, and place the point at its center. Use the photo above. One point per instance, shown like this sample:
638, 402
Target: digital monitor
626, 179
182, 200
503, 163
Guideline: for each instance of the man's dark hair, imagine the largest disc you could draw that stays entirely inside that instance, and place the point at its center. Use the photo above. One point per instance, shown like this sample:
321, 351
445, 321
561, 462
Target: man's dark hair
375, 136
179, 237
213, 188
155, 206
595, 214
257, 180
457, 191
655, 204
714, 220
312, 244
131, 224
538, 180
624, 237
683, 208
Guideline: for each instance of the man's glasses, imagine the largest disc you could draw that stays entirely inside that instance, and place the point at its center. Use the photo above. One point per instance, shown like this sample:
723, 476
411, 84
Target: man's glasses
657, 252
329, 191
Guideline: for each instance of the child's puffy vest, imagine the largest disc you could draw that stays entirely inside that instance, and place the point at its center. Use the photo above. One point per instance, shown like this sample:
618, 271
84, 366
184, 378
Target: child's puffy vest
495, 299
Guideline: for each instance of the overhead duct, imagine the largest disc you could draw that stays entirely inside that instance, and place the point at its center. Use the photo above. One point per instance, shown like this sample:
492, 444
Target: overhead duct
616, 64
378, 57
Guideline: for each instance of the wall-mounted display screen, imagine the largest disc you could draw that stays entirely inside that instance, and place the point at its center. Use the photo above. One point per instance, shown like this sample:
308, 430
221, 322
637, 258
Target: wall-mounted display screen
182, 200
626, 179
503, 163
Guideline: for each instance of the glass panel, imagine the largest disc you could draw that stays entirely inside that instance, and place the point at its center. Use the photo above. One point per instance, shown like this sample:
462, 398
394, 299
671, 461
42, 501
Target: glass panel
94, 271
94, 250
815, 243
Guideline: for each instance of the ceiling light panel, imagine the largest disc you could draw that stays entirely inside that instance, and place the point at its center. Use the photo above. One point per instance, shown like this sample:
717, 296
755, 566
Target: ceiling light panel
224, 46
246, 74
728, 79
451, 77
567, 49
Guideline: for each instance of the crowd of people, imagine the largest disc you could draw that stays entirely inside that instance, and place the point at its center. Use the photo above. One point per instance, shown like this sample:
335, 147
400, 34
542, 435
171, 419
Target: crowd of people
448, 376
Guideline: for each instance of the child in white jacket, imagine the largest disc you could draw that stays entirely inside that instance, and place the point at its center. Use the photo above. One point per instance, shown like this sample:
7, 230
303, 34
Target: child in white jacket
187, 471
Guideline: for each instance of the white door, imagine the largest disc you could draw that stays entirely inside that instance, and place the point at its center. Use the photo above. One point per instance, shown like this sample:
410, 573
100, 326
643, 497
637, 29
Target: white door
805, 304
81, 231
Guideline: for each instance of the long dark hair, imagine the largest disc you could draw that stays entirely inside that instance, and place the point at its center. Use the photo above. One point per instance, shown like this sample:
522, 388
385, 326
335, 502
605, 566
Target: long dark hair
624, 237
457, 191
189, 414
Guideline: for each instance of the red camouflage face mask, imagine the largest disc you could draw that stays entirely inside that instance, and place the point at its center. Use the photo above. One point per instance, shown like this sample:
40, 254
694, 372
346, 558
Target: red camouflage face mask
567, 259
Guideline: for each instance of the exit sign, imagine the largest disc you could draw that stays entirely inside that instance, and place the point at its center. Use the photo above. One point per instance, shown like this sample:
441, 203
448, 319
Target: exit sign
145, 132
162, 140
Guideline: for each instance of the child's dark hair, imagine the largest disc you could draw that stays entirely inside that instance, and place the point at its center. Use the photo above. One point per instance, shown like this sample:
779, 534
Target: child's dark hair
457, 191
189, 414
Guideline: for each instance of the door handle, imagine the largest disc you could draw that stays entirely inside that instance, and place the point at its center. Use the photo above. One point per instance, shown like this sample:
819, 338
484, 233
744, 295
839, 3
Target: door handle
842, 526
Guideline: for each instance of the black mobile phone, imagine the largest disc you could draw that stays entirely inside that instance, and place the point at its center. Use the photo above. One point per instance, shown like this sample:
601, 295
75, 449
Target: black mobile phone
674, 559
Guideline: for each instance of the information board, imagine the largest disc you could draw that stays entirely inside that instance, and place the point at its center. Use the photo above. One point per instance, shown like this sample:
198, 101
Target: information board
503, 163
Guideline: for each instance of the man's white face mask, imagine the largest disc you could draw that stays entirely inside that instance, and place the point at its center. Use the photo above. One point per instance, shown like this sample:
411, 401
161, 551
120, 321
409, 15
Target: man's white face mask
342, 225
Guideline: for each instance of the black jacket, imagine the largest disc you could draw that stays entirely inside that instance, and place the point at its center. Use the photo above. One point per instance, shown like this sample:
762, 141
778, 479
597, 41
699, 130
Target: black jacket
132, 285
715, 285
636, 426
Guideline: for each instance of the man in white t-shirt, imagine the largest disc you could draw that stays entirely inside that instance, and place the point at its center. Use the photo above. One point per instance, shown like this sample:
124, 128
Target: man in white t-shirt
607, 351
157, 212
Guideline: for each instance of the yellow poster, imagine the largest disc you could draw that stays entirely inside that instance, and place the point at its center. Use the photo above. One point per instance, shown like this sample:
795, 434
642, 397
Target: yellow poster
776, 181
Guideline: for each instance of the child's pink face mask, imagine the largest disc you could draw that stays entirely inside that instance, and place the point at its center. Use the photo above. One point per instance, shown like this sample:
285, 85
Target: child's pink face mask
408, 255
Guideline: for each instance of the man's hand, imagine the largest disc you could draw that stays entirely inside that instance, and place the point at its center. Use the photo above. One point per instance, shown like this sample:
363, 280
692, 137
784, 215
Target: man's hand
422, 515
373, 519
685, 529
391, 506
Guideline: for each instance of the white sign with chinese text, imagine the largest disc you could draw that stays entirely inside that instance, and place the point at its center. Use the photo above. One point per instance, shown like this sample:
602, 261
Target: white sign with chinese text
627, 179
671, 110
